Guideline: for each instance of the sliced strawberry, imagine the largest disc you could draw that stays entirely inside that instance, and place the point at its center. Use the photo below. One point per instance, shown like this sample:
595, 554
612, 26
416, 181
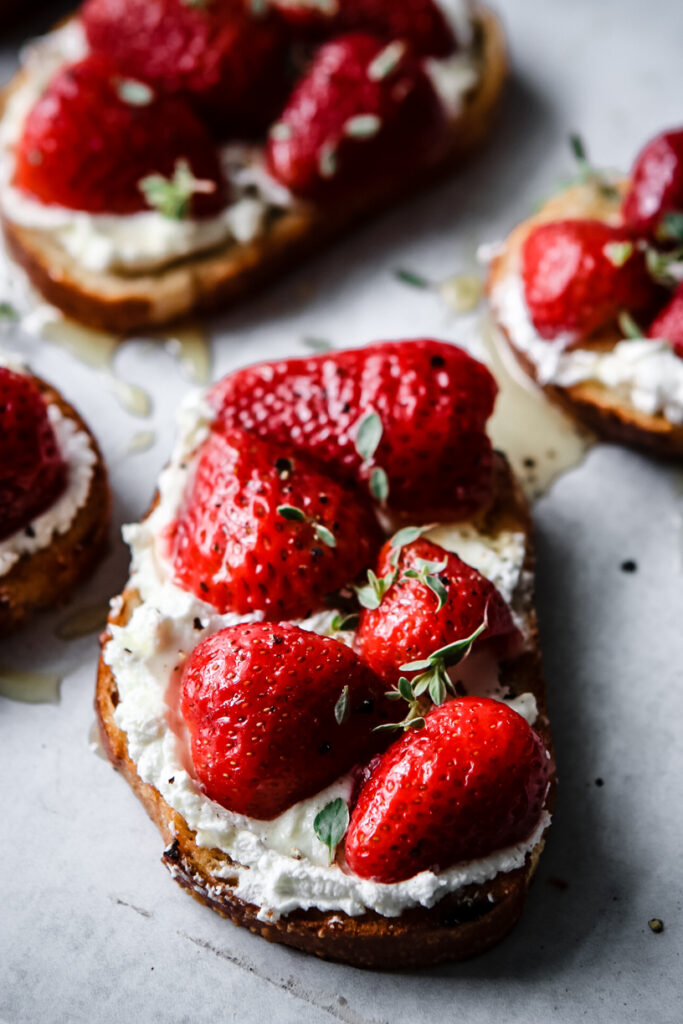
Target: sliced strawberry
420, 23
668, 323
222, 55
656, 186
362, 113
471, 781
32, 471
263, 530
94, 137
430, 401
446, 601
275, 714
579, 274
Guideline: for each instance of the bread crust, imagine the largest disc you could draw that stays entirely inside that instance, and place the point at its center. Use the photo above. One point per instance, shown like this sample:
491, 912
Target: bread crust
459, 926
49, 576
590, 402
223, 276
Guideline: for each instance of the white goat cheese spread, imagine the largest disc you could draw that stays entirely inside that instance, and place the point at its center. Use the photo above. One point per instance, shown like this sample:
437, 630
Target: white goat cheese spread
280, 865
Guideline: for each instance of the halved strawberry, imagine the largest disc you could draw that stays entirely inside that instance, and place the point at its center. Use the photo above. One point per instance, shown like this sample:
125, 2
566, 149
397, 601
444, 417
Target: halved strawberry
668, 323
275, 714
363, 112
264, 530
656, 186
472, 780
32, 470
419, 23
225, 56
98, 141
579, 274
411, 411
431, 599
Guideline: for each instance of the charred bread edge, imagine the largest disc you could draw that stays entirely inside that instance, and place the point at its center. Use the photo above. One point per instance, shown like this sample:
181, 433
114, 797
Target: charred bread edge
200, 283
590, 402
48, 577
459, 926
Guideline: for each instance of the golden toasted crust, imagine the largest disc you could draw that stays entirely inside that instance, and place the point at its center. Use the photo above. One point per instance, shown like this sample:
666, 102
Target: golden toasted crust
48, 577
119, 302
591, 402
459, 926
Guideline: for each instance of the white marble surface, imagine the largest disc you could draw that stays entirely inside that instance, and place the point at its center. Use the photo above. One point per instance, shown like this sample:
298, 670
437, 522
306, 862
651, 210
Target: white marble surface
91, 927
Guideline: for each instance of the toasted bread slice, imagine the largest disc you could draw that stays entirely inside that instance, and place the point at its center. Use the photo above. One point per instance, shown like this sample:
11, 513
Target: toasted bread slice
220, 277
48, 576
591, 402
461, 925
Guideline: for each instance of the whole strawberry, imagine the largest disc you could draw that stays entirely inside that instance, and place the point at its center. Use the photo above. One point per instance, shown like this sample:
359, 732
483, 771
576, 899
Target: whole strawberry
275, 714
264, 530
656, 186
579, 274
668, 324
408, 417
433, 600
419, 23
32, 471
225, 56
99, 142
363, 113
471, 781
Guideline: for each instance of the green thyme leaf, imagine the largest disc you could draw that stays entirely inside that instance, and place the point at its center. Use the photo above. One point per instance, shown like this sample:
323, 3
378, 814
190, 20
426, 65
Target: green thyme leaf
327, 160
342, 623
342, 709
437, 690
132, 92
331, 823
664, 266
670, 227
405, 689
172, 196
578, 148
403, 537
296, 515
317, 344
371, 594
8, 312
416, 723
368, 436
386, 61
628, 326
618, 252
379, 485
408, 277
324, 535
362, 126
589, 175
435, 584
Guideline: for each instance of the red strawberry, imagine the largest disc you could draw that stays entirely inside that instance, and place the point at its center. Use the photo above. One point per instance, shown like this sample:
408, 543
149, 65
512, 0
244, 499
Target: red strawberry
656, 183
233, 548
431, 402
669, 322
579, 274
32, 471
446, 602
360, 115
94, 136
267, 718
421, 23
220, 54
471, 781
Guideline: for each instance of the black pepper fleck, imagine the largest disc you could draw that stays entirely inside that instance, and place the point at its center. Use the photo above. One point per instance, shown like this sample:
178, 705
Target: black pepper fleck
629, 566
656, 925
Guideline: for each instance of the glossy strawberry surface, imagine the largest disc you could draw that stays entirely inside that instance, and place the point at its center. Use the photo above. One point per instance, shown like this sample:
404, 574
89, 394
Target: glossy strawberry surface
233, 548
656, 185
259, 702
225, 56
409, 625
420, 23
95, 134
432, 400
358, 116
32, 470
579, 274
471, 781
668, 323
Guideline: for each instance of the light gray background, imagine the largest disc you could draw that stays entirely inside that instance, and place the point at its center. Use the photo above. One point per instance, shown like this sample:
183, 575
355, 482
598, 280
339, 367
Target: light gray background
92, 928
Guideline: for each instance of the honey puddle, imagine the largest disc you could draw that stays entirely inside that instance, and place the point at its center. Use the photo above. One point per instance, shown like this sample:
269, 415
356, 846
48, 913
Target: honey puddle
540, 440
84, 621
141, 442
30, 687
188, 343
